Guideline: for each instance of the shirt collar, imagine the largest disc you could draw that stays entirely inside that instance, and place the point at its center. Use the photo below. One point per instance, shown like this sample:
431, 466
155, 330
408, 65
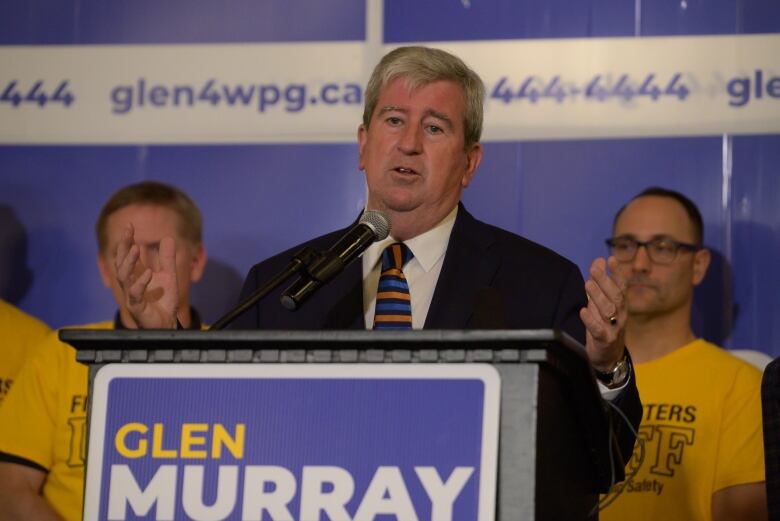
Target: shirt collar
427, 247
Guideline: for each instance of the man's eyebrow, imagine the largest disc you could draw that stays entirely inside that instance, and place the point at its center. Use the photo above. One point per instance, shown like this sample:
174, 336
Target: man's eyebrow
652, 238
665, 236
440, 115
392, 108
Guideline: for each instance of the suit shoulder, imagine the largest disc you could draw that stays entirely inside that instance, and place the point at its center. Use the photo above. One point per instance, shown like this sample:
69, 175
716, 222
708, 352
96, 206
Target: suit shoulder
526, 252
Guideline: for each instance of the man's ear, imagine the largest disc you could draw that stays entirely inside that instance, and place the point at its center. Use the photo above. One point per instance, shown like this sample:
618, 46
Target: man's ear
106, 270
701, 261
362, 137
199, 259
473, 159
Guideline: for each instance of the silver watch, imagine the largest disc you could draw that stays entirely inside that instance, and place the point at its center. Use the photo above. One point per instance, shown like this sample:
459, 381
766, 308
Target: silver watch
617, 376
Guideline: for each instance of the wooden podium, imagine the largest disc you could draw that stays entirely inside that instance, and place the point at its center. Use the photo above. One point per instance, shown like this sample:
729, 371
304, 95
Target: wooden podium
553, 455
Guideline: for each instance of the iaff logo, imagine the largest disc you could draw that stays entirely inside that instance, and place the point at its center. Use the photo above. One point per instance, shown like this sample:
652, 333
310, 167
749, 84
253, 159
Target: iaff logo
660, 448
664, 448
77, 431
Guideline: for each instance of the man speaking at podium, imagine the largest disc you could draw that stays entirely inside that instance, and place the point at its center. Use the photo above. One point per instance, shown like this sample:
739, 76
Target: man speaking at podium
440, 268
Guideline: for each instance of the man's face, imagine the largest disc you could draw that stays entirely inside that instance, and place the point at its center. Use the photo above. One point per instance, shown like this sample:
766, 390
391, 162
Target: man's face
656, 289
413, 151
151, 224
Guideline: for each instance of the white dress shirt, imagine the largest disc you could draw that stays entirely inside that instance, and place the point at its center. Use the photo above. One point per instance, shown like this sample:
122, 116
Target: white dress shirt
421, 272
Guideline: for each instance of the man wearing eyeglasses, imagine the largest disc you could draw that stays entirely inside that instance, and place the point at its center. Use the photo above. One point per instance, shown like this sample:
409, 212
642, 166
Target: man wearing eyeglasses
702, 457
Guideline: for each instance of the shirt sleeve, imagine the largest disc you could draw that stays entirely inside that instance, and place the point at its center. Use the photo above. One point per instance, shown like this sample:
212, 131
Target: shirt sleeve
28, 413
740, 457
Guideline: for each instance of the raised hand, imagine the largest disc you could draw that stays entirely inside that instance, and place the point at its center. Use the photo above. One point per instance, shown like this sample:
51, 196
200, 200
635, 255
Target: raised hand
150, 293
605, 315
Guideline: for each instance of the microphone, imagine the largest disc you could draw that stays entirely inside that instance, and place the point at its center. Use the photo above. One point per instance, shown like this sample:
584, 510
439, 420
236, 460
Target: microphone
373, 226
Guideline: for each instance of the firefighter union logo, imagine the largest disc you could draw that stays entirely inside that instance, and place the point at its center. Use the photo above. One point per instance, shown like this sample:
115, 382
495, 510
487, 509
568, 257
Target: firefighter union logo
667, 432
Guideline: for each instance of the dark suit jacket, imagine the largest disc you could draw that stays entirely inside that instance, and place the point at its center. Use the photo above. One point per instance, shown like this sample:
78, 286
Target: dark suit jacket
490, 278
770, 407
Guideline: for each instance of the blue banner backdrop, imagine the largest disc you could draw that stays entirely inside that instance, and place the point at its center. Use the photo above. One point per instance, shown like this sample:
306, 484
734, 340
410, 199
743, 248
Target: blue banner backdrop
260, 198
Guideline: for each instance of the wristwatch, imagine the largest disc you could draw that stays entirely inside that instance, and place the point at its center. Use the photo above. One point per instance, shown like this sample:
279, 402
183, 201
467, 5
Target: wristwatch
617, 376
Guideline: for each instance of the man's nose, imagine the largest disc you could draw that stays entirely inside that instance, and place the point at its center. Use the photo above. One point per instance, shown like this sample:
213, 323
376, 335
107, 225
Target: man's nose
411, 140
641, 262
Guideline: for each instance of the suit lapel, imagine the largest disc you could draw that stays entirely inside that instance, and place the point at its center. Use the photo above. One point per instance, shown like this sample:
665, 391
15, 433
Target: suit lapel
468, 266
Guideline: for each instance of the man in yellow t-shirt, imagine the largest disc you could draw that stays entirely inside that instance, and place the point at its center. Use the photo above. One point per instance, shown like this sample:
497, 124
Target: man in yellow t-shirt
703, 453
43, 439
21, 334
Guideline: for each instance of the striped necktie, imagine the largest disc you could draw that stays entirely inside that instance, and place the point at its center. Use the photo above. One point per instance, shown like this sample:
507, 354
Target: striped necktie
393, 304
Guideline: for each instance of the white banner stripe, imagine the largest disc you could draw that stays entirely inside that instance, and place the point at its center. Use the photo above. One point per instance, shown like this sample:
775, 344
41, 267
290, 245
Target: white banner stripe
312, 92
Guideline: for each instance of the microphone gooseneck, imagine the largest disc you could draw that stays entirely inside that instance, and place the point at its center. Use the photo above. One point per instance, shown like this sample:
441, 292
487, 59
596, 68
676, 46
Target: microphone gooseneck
373, 226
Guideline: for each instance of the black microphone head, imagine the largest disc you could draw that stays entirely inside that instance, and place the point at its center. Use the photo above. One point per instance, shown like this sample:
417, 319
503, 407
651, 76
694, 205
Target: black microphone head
378, 222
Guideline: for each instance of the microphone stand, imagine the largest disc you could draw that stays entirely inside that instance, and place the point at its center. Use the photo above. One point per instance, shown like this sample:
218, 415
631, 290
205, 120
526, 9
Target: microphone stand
300, 262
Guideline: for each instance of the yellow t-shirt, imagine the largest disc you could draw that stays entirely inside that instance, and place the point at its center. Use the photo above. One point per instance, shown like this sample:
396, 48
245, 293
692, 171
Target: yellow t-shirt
20, 335
44, 421
702, 431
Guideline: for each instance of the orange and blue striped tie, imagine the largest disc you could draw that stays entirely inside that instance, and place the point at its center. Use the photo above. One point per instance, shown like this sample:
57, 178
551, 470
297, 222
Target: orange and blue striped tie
393, 304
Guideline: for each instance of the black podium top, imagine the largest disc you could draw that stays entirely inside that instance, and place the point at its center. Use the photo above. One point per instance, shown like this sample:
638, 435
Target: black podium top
486, 346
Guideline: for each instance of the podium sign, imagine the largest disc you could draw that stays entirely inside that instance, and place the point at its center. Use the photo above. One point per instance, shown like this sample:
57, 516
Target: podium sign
361, 434
342, 442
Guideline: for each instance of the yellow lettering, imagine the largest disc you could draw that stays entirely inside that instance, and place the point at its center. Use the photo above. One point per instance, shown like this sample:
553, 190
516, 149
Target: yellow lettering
131, 441
157, 443
188, 440
77, 447
119, 440
222, 437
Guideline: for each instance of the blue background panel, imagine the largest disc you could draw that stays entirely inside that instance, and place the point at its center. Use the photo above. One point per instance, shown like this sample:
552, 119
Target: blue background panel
683, 17
505, 19
565, 194
758, 17
755, 221
688, 17
517, 19
260, 199
256, 201
52, 197
36, 22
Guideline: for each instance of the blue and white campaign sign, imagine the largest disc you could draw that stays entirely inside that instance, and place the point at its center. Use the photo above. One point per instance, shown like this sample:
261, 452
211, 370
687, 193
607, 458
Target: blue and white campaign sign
313, 92
304, 443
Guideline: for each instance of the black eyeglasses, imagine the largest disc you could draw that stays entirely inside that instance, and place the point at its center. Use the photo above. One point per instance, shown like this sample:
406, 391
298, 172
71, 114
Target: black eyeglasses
661, 250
